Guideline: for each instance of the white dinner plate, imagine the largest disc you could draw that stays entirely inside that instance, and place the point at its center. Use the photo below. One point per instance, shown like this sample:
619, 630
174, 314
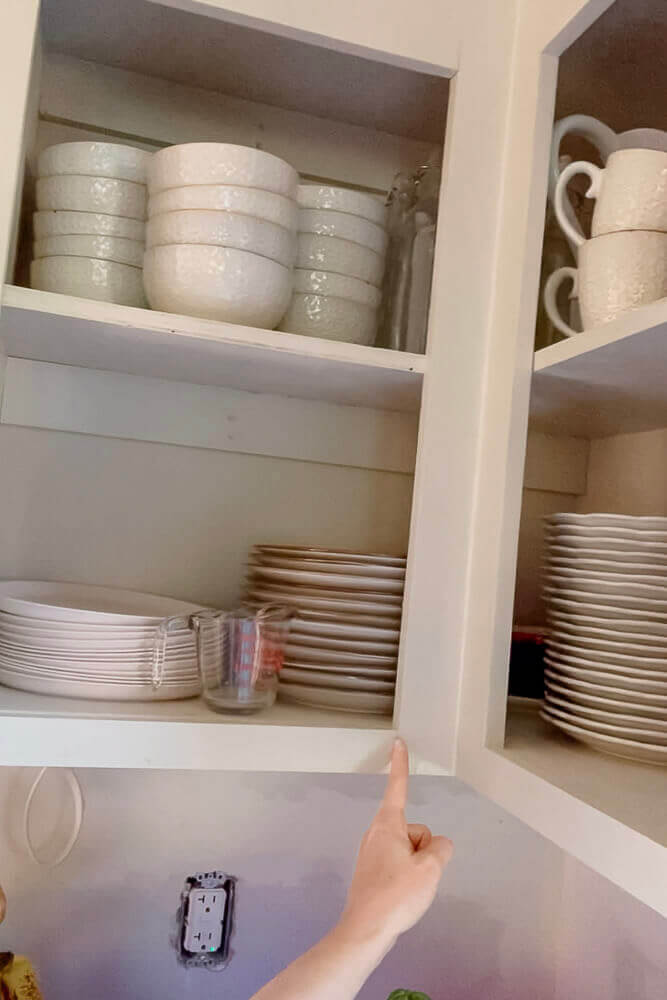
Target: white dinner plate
609, 521
346, 645
609, 596
610, 557
380, 673
354, 631
640, 631
652, 736
81, 603
317, 616
72, 630
591, 567
575, 603
322, 566
305, 654
293, 592
609, 698
330, 555
172, 674
605, 541
339, 605
347, 682
652, 587
557, 648
111, 648
330, 581
114, 659
617, 643
633, 680
611, 718
630, 749
100, 692
345, 701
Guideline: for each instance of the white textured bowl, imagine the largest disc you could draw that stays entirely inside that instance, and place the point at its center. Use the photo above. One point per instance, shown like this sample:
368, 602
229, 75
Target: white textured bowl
328, 253
330, 317
224, 229
217, 283
104, 247
343, 200
344, 226
89, 278
86, 224
92, 194
220, 163
96, 159
228, 198
340, 285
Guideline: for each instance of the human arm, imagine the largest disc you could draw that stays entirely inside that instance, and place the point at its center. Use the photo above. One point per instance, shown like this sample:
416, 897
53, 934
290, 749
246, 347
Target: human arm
395, 881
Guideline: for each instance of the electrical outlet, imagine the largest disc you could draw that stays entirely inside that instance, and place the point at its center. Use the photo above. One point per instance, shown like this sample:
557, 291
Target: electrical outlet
205, 920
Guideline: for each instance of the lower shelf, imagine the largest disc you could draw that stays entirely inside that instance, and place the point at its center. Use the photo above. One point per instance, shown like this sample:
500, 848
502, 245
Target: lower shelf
61, 732
635, 794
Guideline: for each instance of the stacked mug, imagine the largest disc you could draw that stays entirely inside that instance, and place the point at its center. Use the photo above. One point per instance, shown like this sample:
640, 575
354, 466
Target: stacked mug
342, 242
624, 263
221, 233
89, 226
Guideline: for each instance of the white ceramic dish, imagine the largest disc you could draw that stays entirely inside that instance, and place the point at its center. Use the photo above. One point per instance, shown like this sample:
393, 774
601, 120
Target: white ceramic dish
345, 645
220, 163
609, 521
89, 278
104, 247
559, 648
330, 555
339, 285
645, 582
97, 691
225, 229
593, 567
619, 594
98, 673
343, 682
266, 205
328, 253
628, 749
329, 566
605, 680
613, 642
597, 626
83, 603
560, 661
380, 673
618, 718
91, 194
355, 632
338, 199
347, 619
611, 557
337, 591
88, 630
655, 737
330, 318
304, 654
332, 581
344, 701
219, 283
96, 159
340, 605
571, 602
612, 699
608, 539
344, 226
45, 224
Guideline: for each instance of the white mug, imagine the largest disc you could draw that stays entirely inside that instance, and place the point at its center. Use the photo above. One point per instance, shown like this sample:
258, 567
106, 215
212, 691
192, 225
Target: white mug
605, 140
616, 272
631, 193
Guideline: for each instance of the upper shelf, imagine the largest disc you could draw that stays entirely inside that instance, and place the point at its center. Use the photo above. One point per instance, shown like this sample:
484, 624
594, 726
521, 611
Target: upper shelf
43, 326
609, 380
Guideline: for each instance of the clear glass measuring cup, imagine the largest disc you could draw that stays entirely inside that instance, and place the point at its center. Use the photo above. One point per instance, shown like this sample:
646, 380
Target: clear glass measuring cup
239, 654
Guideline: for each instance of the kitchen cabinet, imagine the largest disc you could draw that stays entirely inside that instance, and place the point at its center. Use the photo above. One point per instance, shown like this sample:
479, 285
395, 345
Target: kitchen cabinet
97, 397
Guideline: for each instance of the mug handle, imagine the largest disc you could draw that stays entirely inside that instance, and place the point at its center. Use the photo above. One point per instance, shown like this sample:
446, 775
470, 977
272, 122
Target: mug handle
562, 203
553, 283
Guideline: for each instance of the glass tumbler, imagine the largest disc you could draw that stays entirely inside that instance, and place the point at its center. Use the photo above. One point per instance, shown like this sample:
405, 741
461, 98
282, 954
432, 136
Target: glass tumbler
239, 654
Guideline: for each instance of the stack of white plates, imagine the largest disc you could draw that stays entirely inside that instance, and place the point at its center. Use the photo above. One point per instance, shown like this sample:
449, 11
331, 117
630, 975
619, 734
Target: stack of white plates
90, 229
81, 641
606, 665
221, 236
340, 263
343, 641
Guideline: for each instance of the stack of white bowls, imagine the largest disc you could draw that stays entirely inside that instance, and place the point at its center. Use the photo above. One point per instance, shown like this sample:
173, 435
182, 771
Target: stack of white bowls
342, 243
221, 235
89, 229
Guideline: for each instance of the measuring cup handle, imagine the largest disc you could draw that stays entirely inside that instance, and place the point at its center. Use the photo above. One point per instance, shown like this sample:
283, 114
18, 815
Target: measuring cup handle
166, 626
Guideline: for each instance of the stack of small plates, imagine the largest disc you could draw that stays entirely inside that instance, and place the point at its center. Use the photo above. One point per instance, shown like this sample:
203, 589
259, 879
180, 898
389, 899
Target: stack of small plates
343, 642
606, 666
81, 641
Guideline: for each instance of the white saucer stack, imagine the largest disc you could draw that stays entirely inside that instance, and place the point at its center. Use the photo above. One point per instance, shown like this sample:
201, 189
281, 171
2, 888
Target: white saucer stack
89, 229
606, 663
81, 641
343, 642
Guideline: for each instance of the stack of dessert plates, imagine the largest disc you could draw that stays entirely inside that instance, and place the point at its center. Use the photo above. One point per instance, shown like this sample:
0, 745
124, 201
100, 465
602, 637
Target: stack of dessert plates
81, 641
343, 642
606, 665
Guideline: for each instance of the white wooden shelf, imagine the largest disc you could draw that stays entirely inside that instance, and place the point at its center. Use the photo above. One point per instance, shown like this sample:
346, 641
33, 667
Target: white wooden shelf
37, 730
609, 380
43, 326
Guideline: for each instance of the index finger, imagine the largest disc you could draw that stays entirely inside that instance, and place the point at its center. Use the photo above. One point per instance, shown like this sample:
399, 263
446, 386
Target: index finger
396, 792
